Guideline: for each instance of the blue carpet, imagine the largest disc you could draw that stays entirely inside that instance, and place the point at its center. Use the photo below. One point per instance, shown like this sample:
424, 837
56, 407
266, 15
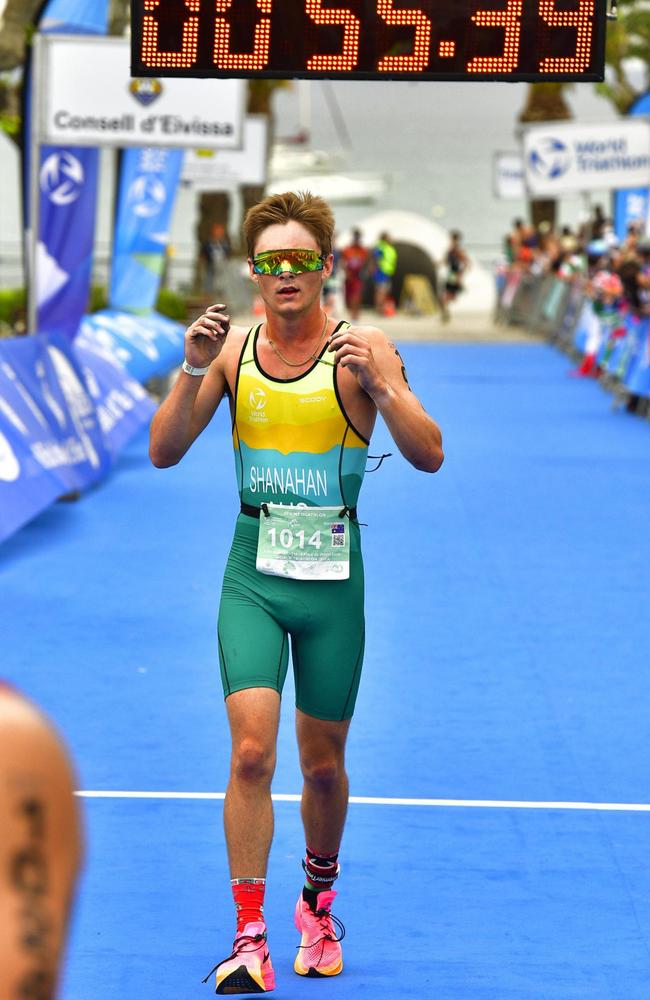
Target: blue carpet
507, 637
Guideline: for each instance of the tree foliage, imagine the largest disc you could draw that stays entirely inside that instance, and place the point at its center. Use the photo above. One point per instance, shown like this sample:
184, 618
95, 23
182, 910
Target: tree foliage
627, 68
628, 38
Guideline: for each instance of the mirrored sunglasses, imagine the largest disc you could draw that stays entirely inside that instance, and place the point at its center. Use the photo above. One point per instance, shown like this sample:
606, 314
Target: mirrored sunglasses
296, 261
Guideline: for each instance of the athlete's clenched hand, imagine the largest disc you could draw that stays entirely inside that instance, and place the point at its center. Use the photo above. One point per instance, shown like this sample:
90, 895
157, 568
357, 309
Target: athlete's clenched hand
354, 351
205, 337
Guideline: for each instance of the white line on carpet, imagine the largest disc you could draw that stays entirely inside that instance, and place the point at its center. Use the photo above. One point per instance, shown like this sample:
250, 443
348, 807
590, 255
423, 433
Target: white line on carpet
376, 801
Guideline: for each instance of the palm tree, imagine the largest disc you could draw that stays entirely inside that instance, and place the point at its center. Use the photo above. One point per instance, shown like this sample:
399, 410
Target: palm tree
545, 103
628, 38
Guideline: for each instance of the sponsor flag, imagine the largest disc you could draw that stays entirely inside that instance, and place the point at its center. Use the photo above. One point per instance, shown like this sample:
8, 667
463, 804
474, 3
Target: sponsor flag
149, 179
631, 207
67, 179
64, 248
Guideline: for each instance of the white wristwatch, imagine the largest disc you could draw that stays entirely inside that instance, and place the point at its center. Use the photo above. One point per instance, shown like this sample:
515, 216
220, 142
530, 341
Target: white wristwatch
191, 370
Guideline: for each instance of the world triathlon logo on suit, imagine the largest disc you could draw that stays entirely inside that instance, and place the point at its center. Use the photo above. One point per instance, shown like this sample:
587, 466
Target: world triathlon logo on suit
257, 400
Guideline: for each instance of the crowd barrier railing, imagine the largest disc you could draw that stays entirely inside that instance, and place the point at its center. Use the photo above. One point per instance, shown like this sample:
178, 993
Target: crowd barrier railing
606, 341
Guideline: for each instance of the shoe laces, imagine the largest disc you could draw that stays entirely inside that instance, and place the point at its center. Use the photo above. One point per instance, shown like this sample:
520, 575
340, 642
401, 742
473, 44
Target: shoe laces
325, 920
246, 943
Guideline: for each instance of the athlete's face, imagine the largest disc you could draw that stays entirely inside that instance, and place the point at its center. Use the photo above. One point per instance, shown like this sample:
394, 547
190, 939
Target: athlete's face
289, 294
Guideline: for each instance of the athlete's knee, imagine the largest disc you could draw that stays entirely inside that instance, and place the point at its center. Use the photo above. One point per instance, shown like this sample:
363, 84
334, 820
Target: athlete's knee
322, 771
253, 761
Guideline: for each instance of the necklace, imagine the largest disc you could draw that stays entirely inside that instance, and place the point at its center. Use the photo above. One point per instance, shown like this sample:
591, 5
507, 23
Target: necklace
298, 364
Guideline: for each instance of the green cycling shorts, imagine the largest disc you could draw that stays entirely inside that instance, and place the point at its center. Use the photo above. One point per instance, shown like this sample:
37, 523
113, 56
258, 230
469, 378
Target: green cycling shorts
323, 620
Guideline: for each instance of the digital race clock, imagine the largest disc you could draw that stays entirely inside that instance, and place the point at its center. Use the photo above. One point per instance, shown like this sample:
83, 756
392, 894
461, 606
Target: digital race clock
370, 39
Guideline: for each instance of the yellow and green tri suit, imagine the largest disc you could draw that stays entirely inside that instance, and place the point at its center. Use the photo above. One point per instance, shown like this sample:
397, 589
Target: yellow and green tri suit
294, 444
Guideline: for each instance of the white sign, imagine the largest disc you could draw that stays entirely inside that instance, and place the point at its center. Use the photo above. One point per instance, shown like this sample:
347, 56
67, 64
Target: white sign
509, 182
565, 158
91, 100
214, 170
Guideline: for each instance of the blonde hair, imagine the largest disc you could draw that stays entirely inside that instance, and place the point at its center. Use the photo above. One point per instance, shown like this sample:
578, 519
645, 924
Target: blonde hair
309, 210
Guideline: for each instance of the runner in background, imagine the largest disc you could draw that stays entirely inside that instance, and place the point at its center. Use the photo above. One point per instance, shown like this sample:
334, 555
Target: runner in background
354, 260
332, 297
385, 257
456, 262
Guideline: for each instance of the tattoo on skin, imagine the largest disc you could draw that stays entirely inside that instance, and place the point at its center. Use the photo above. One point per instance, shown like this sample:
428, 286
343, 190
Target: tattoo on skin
29, 878
404, 376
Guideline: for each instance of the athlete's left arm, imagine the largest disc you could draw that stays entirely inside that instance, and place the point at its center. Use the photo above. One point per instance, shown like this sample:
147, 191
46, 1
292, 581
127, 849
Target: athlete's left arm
380, 371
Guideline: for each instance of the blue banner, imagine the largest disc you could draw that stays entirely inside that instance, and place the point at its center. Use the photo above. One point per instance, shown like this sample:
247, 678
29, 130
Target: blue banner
149, 181
633, 205
67, 193
123, 406
147, 346
51, 442
66, 412
64, 249
83, 17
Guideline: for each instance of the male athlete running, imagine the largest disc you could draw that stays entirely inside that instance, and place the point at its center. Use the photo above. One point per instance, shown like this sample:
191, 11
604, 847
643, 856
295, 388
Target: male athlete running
304, 391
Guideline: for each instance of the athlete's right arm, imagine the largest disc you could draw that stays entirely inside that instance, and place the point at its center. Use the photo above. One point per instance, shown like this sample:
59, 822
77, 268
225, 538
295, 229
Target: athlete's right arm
192, 402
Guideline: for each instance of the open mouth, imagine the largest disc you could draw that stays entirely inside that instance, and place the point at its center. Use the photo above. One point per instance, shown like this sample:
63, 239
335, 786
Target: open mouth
287, 290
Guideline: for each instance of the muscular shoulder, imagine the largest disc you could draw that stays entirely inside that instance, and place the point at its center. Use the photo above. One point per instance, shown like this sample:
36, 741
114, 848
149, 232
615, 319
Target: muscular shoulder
376, 337
229, 358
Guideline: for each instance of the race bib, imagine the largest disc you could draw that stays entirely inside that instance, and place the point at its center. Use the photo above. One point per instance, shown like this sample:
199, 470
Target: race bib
304, 543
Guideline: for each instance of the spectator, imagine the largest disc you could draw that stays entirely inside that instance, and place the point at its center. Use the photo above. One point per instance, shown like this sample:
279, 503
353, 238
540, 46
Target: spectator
513, 240
354, 260
215, 252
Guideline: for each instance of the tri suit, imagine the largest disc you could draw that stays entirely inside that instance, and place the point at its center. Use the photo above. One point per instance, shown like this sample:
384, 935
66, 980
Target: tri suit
293, 444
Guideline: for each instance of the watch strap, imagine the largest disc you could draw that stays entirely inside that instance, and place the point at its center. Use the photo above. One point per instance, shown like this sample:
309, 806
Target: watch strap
191, 370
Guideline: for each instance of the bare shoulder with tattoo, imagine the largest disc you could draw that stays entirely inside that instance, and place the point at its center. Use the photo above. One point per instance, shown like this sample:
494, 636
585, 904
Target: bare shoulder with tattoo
40, 850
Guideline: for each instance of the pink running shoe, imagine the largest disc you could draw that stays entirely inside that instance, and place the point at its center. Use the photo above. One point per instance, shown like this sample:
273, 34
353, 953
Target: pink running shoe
248, 969
319, 951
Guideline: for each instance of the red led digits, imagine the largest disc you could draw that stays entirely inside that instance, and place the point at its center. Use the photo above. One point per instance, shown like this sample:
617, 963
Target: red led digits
151, 54
534, 40
347, 59
510, 19
242, 61
418, 60
583, 20
446, 50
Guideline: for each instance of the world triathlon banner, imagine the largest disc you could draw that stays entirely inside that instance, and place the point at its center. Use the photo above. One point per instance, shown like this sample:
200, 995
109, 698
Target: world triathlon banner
122, 405
66, 225
65, 413
149, 180
67, 179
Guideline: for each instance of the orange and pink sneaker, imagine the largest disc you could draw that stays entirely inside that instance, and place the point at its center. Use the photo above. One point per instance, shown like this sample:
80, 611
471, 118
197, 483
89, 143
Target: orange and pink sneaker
248, 969
319, 951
